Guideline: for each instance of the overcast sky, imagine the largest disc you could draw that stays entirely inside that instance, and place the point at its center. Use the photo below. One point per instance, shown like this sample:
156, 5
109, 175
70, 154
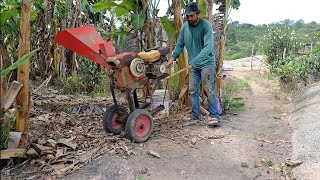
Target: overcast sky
269, 11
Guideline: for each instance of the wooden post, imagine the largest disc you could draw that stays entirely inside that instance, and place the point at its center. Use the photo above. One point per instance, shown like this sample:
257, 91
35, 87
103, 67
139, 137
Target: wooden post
23, 98
252, 57
284, 53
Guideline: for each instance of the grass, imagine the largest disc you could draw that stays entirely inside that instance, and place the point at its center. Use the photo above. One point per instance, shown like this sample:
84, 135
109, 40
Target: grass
237, 85
244, 164
139, 177
104, 93
268, 162
5, 129
233, 104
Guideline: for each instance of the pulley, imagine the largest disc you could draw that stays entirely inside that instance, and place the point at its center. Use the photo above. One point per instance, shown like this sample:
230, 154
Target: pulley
137, 67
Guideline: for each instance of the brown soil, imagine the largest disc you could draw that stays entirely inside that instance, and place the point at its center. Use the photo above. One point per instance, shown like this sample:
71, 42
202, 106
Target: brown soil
252, 144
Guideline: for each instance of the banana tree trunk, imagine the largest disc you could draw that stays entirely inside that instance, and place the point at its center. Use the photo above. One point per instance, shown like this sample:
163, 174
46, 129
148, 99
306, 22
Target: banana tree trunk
147, 26
209, 10
183, 77
62, 65
23, 98
2, 90
74, 14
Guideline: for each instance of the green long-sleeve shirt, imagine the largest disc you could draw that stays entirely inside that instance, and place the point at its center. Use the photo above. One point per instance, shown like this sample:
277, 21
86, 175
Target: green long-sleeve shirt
199, 43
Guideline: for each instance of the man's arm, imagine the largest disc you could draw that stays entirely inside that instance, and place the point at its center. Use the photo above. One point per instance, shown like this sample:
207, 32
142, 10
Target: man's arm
208, 44
180, 45
179, 48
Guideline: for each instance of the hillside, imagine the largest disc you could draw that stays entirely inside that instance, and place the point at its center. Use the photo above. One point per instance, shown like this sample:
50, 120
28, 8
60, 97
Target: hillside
242, 36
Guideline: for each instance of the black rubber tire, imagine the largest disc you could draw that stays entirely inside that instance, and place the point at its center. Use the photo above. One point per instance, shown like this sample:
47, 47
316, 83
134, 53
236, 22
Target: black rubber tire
133, 118
107, 123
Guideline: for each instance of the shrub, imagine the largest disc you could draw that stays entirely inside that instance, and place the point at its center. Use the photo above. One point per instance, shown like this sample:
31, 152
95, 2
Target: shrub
91, 80
278, 38
295, 70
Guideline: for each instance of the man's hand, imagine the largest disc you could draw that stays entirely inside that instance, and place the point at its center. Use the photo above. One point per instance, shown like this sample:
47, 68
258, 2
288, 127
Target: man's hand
170, 63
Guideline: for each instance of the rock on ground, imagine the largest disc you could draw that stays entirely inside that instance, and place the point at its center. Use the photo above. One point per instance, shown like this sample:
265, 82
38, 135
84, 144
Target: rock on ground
305, 119
105, 168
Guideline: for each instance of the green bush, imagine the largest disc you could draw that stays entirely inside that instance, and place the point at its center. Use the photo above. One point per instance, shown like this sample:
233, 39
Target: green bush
91, 80
238, 56
295, 70
274, 43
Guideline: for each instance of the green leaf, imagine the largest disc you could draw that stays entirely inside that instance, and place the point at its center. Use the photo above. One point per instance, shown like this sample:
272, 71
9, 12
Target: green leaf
128, 4
235, 4
17, 63
101, 30
168, 26
103, 5
203, 8
183, 4
137, 21
10, 5
121, 40
120, 11
6, 15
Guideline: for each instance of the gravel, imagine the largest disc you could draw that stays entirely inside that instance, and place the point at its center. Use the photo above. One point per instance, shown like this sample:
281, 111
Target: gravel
305, 120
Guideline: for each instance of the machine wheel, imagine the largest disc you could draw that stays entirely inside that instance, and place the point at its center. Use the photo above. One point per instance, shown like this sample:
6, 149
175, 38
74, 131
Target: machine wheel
139, 125
110, 119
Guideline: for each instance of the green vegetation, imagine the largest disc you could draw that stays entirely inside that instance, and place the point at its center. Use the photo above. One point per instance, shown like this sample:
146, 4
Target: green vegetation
292, 49
268, 162
242, 37
5, 129
233, 104
91, 80
244, 164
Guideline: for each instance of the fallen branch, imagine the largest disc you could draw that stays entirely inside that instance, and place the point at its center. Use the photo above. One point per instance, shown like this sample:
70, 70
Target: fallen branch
11, 94
46, 82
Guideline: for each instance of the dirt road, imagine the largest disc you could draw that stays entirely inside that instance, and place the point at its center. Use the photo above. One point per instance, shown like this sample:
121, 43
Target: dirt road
250, 145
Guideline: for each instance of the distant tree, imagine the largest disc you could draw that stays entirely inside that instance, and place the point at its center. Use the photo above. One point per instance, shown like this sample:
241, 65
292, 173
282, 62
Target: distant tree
235, 23
300, 21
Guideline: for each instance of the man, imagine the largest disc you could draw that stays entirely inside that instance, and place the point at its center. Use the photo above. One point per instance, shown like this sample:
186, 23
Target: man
197, 36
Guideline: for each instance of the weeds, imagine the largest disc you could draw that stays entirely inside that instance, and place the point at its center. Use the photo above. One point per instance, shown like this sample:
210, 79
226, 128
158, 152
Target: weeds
5, 129
233, 104
244, 164
139, 177
268, 162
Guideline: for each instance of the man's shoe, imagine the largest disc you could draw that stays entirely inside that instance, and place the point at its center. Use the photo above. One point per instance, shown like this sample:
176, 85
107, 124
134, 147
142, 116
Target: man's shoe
212, 121
191, 118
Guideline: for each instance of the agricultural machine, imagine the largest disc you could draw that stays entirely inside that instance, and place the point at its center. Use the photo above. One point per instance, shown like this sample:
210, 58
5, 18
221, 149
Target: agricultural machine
128, 72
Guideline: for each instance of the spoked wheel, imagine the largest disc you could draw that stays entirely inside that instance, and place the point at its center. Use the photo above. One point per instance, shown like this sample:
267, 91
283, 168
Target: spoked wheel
139, 125
113, 119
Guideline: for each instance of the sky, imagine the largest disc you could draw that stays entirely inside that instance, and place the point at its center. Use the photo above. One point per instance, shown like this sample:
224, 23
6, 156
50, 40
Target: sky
269, 11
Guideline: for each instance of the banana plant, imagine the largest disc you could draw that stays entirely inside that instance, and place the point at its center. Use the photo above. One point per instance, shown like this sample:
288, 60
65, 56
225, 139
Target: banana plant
17, 63
124, 8
9, 25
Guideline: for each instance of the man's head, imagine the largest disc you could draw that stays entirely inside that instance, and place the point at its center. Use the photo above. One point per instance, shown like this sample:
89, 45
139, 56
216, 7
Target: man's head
192, 13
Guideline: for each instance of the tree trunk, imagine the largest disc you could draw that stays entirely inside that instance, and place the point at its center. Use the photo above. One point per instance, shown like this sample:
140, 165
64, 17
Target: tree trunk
4, 54
2, 89
209, 10
23, 98
147, 26
74, 23
183, 77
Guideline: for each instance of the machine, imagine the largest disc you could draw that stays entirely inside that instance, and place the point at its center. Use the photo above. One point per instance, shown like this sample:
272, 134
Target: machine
128, 72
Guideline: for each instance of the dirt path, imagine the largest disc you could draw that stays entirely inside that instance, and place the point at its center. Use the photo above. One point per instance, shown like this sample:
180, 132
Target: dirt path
250, 145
